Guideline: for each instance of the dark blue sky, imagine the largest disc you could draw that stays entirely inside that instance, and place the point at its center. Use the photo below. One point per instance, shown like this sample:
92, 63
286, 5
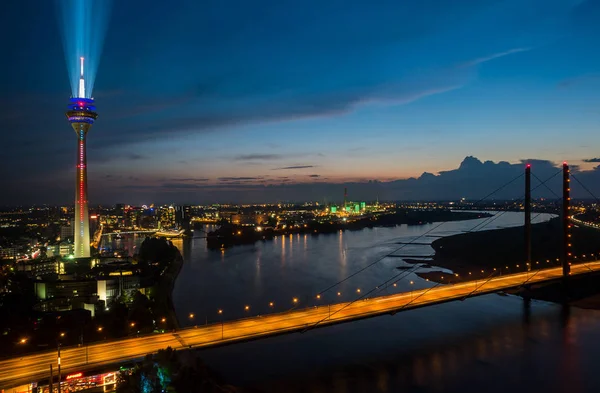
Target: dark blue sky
207, 99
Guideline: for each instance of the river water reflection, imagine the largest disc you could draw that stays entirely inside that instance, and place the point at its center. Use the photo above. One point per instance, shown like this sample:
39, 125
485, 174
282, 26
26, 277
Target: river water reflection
300, 266
491, 343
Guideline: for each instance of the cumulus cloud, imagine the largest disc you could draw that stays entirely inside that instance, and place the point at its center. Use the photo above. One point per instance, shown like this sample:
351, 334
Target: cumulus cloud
591, 160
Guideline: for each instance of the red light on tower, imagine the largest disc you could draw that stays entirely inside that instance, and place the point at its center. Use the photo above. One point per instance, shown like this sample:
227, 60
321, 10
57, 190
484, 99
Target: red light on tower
528, 165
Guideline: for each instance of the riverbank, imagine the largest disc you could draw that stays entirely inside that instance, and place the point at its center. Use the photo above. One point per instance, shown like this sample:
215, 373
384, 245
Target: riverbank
478, 255
164, 293
230, 235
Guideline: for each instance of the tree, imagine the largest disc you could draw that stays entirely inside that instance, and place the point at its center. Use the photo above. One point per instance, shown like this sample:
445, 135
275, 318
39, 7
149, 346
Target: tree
168, 371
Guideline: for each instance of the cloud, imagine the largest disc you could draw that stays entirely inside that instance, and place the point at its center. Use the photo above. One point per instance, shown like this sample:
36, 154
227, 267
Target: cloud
190, 179
181, 185
493, 56
250, 157
294, 167
135, 156
314, 176
229, 179
591, 160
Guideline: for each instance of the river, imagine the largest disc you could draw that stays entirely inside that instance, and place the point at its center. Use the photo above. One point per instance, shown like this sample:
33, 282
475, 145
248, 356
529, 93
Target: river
490, 343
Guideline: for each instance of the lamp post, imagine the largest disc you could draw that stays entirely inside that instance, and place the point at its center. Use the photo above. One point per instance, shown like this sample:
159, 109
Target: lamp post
58, 357
222, 327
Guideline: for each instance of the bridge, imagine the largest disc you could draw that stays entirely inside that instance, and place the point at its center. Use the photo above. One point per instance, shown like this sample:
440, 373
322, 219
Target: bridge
370, 303
35, 367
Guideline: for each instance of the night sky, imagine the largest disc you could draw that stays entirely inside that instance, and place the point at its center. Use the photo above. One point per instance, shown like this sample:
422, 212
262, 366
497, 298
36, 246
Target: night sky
204, 101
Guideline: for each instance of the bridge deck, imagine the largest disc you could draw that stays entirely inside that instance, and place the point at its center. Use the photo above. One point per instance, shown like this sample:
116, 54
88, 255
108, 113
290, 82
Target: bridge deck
28, 368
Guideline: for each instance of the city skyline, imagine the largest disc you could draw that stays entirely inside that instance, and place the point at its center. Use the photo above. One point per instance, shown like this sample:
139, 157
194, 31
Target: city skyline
331, 101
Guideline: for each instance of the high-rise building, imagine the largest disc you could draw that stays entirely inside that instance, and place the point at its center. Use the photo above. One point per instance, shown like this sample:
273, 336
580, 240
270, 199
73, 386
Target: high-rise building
182, 216
120, 214
81, 115
167, 217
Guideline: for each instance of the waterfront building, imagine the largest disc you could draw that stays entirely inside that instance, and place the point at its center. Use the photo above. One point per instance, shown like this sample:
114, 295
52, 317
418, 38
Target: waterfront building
167, 217
249, 219
183, 214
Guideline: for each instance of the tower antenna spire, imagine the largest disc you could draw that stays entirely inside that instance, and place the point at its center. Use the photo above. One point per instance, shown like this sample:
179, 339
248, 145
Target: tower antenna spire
81, 81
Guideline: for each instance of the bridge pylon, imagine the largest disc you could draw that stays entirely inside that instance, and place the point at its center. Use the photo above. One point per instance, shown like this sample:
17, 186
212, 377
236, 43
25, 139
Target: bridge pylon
566, 224
528, 216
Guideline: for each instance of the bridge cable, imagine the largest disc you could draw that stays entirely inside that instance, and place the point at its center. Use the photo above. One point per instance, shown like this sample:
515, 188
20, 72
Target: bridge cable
545, 185
417, 266
496, 216
585, 188
413, 240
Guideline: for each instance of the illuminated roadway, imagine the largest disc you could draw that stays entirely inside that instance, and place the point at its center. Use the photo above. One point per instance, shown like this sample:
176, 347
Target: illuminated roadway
17, 371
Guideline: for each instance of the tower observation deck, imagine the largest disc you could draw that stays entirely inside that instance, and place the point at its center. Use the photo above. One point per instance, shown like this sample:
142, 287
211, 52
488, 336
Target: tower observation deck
81, 115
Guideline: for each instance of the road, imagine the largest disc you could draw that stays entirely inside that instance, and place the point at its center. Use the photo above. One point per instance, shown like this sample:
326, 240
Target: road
17, 371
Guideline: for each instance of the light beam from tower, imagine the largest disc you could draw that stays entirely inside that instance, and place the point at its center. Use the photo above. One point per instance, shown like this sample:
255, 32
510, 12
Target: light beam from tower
81, 115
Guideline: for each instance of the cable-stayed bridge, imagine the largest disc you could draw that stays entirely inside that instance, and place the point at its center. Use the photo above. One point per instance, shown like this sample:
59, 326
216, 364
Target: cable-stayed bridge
368, 303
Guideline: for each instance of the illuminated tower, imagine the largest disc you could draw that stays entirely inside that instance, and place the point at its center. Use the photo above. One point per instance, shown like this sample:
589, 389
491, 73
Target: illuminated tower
81, 115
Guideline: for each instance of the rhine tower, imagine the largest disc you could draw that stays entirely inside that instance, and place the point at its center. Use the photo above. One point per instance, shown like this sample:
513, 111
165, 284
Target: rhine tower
81, 115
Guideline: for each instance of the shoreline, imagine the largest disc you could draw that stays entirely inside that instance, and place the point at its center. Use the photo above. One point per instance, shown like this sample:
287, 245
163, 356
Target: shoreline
229, 235
478, 255
165, 291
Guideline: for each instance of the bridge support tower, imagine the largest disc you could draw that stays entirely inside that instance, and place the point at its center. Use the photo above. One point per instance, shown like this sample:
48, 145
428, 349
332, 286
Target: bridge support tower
566, 224
528, 216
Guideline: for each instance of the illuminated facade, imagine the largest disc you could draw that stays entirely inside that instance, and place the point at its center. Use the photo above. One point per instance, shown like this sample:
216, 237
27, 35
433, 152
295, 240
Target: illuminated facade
81, 115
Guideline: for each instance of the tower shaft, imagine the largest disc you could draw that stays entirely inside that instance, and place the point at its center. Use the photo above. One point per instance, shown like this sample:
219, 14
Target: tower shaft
82, 220
81, 115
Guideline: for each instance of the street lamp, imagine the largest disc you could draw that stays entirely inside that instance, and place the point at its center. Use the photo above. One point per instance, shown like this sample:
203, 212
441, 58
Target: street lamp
295, 300
23, 341
222, 328
247, 308
62, 334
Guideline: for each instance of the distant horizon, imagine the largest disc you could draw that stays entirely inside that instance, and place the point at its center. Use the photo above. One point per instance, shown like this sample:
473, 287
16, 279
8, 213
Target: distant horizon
472, 179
